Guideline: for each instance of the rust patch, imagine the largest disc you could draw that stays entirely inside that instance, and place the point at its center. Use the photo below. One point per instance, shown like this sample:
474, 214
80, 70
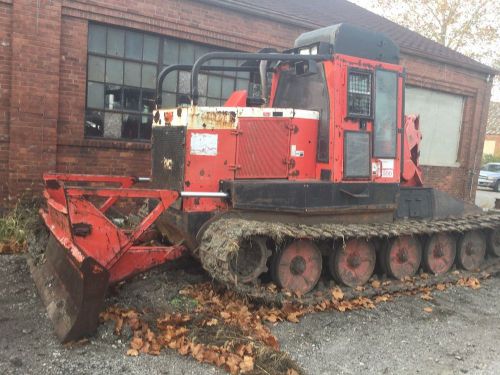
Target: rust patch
219, 119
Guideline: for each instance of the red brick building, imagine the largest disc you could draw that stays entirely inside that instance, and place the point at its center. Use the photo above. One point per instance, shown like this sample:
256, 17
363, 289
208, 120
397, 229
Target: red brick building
76, 80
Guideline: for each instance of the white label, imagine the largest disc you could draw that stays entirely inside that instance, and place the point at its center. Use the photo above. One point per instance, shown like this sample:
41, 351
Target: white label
204, 144
387, 163
387, 173
387, 168
296, 153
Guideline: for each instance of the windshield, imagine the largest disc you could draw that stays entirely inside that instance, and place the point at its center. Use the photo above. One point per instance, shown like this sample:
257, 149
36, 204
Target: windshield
491, 168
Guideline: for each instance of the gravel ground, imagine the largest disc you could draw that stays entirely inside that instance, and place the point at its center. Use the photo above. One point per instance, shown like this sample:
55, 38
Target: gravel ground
461, 335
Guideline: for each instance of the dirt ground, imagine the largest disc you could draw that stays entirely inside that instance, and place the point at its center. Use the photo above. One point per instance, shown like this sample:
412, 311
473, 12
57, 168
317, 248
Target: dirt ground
460, 335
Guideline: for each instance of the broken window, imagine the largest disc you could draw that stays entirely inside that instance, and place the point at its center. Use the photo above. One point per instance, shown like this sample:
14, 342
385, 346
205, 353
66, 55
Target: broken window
122, 71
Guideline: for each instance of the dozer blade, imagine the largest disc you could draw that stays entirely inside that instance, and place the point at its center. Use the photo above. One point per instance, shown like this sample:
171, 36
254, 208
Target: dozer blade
73, 294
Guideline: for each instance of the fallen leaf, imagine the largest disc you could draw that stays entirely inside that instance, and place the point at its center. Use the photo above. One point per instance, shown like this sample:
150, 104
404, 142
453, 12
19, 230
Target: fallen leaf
293, 317
132, 352
136, 343
291, 371
338, 294
426, 297
428, 309
376, 284
212, 322
440, 287
247, 364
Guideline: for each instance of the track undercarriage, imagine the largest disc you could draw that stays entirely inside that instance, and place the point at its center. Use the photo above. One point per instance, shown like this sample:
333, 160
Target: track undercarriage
244, 253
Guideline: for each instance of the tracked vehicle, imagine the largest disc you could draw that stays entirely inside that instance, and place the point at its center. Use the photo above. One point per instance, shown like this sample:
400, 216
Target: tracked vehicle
319, 172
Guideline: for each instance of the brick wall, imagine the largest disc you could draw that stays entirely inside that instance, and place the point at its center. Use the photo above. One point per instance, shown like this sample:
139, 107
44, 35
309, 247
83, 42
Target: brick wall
5, 70
43, 120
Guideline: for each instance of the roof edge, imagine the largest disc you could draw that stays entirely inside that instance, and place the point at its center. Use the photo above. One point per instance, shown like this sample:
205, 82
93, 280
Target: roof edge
302, 22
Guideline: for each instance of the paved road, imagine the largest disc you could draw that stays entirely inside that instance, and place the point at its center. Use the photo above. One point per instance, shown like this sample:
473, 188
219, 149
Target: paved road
485, 198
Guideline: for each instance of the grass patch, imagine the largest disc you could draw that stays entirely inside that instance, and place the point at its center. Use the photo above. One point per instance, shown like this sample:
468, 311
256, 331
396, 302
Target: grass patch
16, 225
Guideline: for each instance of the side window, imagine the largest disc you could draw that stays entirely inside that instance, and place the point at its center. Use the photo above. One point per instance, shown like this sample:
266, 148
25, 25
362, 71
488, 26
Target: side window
359, 94
385, 124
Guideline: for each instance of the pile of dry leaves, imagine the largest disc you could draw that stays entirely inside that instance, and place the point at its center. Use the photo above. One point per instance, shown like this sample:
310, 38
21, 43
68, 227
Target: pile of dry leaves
231, 333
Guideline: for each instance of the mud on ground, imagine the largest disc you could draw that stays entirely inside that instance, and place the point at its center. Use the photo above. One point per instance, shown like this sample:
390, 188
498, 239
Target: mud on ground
460, 335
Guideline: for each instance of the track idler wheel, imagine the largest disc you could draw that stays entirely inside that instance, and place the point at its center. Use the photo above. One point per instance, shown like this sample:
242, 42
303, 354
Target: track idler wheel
471, 250
494, 242
439, 253
297, 267
353, 263
249, 262
402, 256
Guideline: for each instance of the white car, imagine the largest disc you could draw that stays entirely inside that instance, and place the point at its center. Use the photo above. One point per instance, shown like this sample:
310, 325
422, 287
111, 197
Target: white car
489, 176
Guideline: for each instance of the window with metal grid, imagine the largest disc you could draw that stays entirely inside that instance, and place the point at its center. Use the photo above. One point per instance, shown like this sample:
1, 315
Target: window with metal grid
359, 94
121, 79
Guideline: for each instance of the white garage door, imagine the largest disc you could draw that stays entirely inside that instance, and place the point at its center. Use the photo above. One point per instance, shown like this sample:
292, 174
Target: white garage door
440, 123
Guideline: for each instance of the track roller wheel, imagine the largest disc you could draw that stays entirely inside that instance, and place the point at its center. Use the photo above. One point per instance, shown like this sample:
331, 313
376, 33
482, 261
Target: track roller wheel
297, 267
439, 253
353, 263
471, 250
402, 256
249, 262
494, 242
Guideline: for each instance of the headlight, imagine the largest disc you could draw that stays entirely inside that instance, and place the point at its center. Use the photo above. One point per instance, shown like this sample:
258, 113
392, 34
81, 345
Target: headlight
490, 178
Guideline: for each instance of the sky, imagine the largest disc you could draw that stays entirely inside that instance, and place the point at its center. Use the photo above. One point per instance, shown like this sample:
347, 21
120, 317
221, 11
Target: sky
368, 4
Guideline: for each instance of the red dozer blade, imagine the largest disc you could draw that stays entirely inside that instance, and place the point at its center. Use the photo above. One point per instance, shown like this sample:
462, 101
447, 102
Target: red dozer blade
86, 252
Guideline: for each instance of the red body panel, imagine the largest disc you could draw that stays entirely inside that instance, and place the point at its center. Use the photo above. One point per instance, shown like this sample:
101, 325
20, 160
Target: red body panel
263, 147
204, 170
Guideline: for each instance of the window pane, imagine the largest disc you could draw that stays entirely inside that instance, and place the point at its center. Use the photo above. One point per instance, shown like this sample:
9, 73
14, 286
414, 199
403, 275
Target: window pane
170, 82
227, 87
95, 95
231, 63
130, 126
113, 95
116, 42
96, 68
94, 123
184, 82
97, 39
213, 102
114, 71
186, 53
133, 45
148, 101
244, 75
112, 125
151, 44
359, 94
131, 98
202, 101
356, 154
149, 76
202, 84
200, 50
241, 84
214, 86
386, 97
146, 123
168, 100
132, 74
170, 52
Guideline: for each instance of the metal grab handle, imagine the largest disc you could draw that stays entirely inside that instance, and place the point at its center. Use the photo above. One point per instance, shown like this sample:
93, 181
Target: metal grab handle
354, 195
